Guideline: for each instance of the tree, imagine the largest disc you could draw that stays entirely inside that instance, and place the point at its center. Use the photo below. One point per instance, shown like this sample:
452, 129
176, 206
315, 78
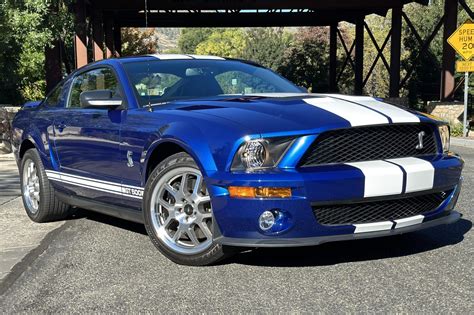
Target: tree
136, 41
229, 42
266, 46
26, 28
306, 62
190, 38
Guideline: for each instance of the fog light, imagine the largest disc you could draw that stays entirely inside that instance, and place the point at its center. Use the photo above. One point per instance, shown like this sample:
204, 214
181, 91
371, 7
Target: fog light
266, 220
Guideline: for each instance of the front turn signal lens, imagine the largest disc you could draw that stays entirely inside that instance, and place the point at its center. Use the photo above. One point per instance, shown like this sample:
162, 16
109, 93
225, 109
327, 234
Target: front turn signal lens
259, 192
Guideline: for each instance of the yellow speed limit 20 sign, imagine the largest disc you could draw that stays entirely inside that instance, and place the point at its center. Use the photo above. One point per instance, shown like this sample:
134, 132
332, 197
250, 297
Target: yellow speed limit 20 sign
462, 40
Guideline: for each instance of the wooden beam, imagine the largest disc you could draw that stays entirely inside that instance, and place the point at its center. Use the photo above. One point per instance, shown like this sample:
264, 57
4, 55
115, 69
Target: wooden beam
109, 35
333, 57
449, 55
206, 19
245, 4
80, 38
117, 40
395, 52
97, 37
52, 65
359, 57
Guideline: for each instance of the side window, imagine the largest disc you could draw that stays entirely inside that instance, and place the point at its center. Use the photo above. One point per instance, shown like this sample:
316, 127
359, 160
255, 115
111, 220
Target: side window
55, 97
97, 79
237, 82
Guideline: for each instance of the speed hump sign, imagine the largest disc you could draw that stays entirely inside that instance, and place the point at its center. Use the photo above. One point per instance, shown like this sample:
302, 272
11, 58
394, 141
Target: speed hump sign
462, 40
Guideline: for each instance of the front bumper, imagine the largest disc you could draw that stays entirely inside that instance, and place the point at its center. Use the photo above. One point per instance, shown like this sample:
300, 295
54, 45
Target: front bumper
237, 219
448, 218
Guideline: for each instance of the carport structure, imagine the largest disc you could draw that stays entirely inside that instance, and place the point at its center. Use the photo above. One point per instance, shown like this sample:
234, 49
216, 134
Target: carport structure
103, 20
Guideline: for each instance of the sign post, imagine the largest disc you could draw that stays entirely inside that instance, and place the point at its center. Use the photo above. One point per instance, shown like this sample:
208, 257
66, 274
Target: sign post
462, 40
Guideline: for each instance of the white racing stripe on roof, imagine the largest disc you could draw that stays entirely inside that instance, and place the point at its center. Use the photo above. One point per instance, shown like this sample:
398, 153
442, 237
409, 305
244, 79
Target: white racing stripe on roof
398, 115
381, 178
356, 115
171, 56
420, 173
206, 57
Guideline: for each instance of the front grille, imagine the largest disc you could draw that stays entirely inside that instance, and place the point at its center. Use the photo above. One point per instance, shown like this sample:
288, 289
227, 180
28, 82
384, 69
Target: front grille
369, 143
376, 211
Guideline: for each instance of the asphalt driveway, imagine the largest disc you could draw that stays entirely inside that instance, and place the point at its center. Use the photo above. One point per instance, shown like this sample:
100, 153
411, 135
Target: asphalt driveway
94, 263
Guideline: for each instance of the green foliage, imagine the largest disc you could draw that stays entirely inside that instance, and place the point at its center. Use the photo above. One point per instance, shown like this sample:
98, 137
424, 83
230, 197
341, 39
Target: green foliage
266, 46
190, 38
26, 28
306, 62
136, 41
229, 42
456, 130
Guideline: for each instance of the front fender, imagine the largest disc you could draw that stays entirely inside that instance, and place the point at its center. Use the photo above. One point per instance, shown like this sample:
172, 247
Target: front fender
187, 136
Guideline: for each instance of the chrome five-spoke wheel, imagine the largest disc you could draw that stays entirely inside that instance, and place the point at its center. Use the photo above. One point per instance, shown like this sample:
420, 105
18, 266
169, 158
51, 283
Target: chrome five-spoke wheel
181, 211
31, 186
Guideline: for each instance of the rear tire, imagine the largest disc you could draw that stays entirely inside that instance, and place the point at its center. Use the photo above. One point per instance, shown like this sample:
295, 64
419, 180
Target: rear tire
41, 204
178, 213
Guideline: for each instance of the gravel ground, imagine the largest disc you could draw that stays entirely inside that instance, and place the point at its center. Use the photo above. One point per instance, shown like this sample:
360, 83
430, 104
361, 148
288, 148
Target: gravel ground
95, 263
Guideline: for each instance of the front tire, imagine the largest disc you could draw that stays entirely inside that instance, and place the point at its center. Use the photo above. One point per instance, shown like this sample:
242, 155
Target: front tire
178, 213
41, 204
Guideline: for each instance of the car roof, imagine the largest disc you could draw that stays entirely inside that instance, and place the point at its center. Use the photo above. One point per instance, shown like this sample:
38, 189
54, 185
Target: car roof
168, 57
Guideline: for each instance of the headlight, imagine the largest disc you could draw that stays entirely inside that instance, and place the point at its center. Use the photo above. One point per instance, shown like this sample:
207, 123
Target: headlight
260, 153
445, 137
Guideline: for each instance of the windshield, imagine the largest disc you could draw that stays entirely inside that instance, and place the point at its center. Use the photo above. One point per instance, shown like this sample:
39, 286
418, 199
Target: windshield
162, 81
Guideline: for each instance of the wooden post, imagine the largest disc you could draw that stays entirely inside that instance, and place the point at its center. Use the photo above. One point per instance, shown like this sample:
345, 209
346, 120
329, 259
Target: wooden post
395, 52
449, 55
80, 39
359, 56
117, 40
52, 65
97, 37
333, 57
109, 35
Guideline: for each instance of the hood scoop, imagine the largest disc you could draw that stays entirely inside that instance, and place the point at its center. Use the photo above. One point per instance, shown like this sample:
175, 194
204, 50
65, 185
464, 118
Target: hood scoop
198, 107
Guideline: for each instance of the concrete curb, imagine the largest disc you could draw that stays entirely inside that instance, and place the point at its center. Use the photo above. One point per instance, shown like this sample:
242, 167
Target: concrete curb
463, 142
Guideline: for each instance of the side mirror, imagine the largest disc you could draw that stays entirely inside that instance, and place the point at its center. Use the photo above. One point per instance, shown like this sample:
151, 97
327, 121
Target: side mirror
32, 104
99, 99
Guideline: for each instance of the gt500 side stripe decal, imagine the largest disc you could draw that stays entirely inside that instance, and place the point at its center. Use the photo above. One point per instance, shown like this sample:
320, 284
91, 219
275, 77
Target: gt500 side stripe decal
355, 114
95, 184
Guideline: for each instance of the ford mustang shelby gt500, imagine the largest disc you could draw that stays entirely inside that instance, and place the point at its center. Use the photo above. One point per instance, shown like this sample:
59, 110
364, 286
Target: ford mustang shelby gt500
213, 154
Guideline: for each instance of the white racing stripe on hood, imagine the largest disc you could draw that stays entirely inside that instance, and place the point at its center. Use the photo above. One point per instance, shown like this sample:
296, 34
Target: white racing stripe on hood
396, 114
420, 173
381, 178
355, 114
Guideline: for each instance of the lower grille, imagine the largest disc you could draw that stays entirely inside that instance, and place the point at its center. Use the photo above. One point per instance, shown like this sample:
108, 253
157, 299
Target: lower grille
376, 211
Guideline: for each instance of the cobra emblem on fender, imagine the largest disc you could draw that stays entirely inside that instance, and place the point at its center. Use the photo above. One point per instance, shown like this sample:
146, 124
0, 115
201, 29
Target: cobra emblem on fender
420, 145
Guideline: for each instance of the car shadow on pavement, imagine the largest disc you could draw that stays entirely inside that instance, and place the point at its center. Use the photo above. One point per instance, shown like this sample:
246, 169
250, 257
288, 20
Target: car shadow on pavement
105, 219
356, 250
327, 253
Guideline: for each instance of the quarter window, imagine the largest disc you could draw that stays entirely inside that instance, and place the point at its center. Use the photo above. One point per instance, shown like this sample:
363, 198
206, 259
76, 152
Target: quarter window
97, 79
56, 96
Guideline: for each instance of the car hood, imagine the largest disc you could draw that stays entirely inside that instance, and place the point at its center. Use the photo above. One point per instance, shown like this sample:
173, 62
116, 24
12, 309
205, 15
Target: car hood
274, 113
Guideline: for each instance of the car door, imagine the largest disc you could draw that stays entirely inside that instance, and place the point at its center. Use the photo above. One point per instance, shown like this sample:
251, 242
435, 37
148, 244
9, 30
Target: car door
87, 140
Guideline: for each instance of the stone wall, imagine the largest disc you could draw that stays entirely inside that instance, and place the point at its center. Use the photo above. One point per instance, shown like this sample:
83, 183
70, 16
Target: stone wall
7, 113
449, 111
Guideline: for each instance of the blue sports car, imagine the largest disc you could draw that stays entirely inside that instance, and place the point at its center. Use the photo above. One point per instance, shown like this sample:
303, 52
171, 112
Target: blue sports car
215, 154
